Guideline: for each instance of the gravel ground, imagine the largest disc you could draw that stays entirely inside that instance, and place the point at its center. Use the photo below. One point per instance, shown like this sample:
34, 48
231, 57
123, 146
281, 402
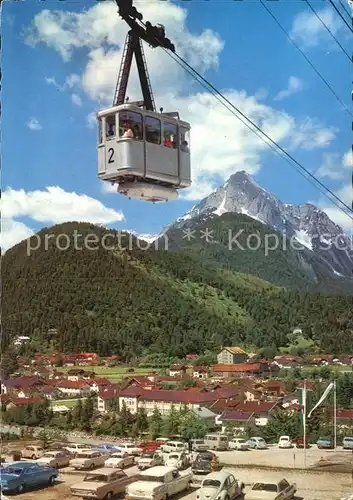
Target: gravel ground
310, 485
251, 466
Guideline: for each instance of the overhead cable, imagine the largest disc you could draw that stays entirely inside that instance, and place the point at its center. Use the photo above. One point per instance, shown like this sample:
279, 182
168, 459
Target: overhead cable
306, 58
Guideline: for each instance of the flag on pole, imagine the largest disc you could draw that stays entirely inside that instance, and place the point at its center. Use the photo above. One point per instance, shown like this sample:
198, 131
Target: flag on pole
302, 404
323, 397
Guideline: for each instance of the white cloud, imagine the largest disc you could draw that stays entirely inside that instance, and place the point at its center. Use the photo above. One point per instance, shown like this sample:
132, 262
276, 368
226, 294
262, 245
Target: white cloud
52, 206
76, 99
107, 187
308, 30
345, 193
334, 166
230, 145
348, 159
12, 232
34, 124
294, 86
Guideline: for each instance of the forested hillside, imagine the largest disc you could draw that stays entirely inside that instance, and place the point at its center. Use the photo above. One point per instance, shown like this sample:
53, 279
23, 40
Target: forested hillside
124, 301
243, 244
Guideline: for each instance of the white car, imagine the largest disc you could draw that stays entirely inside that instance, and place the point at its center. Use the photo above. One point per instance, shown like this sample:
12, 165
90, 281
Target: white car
220, 486
176, 446
179, 460
280, 490
159, 483
74, 448
257, 443
88, 459
149, 459
130, 448
120, 460
285, 442
238, 444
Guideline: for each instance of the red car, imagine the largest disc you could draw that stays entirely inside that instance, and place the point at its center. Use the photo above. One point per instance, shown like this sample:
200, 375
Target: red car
151, 446
299, 443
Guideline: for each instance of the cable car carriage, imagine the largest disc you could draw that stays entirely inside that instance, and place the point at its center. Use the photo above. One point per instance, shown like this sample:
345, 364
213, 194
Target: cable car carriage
145, 152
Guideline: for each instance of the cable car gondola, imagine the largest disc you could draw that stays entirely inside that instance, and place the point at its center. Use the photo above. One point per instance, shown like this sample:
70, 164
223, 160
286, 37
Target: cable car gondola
145, 152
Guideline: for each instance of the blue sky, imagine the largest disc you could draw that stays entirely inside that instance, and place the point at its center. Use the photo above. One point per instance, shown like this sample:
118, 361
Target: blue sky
60, 62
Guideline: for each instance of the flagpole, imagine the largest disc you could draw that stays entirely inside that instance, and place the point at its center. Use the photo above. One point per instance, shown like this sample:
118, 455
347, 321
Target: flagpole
304, 423
334, 414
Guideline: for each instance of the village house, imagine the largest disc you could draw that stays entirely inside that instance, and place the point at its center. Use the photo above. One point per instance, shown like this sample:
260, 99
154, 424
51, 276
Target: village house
232, 355
200, 372
207, 415
262, 410
261, 370
164, 400
238, 420
86, 358
287, 361
344, 417
73, 388
76, 374
177, 370
99, 384
16, 402
22, 385
111, 360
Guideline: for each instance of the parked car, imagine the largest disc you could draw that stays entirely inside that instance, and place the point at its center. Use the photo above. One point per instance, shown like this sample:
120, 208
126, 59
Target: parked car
257, 443
347, 443
324, 443
88, 459
131, 448
173, 446
149, 459
74, 448
20, 476
120, 460
151, 446
56, 459
159, 483
221, 486
238, 444
272, 491
285, 442
102, 484
205, 463
178, 460
32, 452
107, 449
217, 441
198, 445
299, 443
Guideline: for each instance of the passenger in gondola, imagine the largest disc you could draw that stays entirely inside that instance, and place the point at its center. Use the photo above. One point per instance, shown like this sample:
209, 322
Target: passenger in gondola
111, 130
128, 132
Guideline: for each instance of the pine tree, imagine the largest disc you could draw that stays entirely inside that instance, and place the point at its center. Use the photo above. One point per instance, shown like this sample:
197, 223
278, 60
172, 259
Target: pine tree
125, 420
172, 423
141, 423
77, 413
87, 414
155, 424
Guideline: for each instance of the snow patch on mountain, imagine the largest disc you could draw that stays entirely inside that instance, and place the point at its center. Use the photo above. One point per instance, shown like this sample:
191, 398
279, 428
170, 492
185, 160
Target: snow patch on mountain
310, 226
304, 239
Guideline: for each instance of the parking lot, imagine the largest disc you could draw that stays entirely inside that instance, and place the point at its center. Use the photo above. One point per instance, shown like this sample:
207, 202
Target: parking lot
310, 485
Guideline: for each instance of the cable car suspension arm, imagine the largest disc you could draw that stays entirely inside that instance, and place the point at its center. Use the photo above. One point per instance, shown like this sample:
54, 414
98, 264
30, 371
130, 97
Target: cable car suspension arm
154, 36
133, 45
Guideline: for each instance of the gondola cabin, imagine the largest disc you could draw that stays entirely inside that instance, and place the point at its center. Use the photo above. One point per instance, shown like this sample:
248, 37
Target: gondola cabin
146, 153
